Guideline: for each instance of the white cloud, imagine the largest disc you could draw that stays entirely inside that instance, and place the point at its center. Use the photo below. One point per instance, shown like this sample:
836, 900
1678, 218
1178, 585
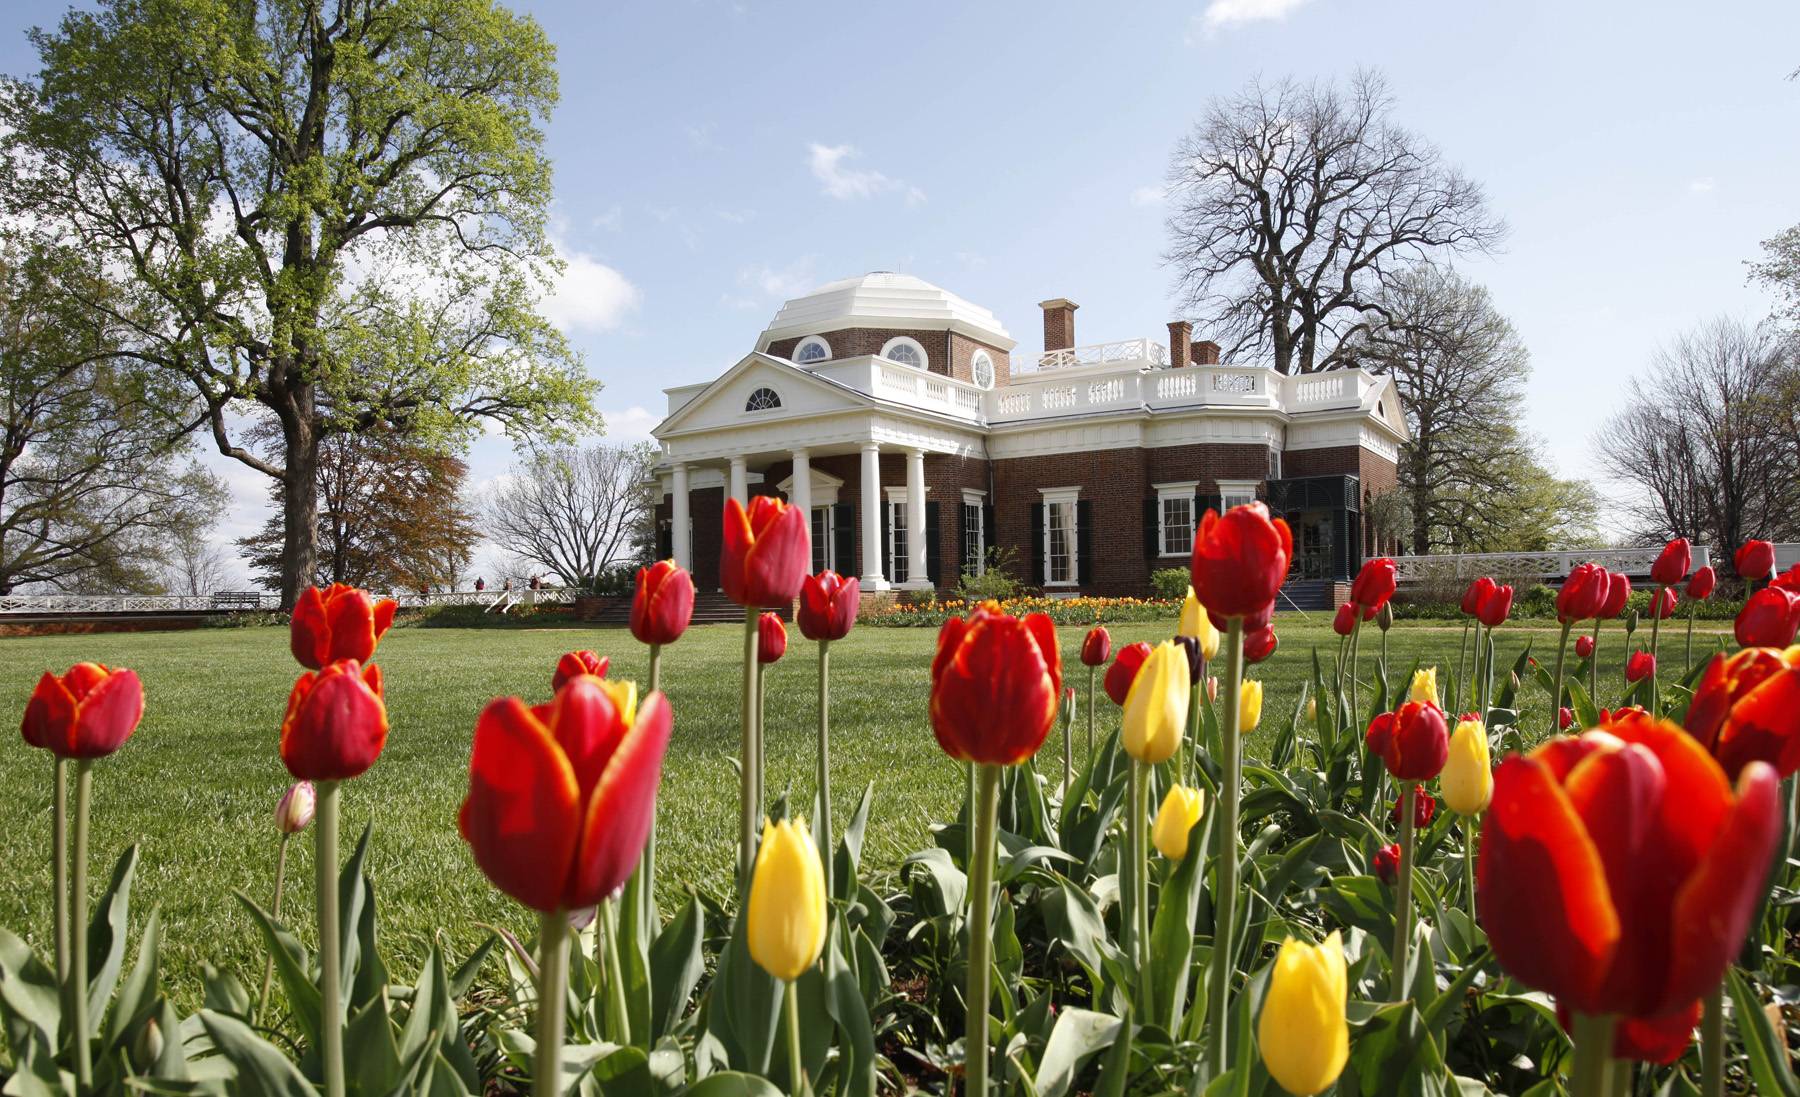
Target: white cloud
846, 183
1224, 13
612, 220
589, 295
1153, 194
630, 424
1703, 185
779, 282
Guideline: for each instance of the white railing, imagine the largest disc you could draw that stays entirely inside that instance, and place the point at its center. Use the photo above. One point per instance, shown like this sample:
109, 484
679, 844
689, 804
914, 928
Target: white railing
1177, 384
1146, 352
235, 601
1507, 566
892, 381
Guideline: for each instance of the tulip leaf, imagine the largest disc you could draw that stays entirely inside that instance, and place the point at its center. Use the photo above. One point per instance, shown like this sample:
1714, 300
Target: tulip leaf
847, 861
356, 902
138, 997
1393, 1053
743, 1007
677, 963
106, 933
857, 1036
29, 994
1763, 1046
466, 972
370, 1053
1079, 1035
1074, 921
1172, 932
291, 966
222, 993
946, 888
730, 1083
1586, 714
262, 1070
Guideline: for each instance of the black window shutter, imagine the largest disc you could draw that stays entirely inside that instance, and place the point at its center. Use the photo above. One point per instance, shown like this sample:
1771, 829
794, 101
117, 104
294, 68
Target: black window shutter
1153, 526
843, 533
933, 554
887, 509
1203, 503
665, 540
1084, 542
963, 529
989, 531
1036, 533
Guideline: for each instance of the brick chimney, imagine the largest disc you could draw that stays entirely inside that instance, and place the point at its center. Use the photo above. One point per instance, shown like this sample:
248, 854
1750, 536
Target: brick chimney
1181, 333
1206, 353
1059, 323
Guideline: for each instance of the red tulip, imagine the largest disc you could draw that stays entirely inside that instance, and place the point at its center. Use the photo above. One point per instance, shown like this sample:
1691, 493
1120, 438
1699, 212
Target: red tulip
336, 722
828, 605
1374, 584
1124, 671
87, 712
561, 795
1496, 606
339, 622
1618, 593
1672, 563
1584, 647
1747, 708
1565, 718
1344, 621
1788, 580
1240, 561
663, 603
994, 686
1259, 645
1413, 743
1663, 603
575, 663
1753, 560
771, 638
1562, 886
1769, 619
766, 551
1583, 594
1424, 809
1659, 1040
1701, 583
1096, 647
1473, 595
1387, 864
1640, 665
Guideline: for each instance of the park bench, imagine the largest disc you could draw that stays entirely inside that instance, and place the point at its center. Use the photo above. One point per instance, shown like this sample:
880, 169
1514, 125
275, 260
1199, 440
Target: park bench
236, 599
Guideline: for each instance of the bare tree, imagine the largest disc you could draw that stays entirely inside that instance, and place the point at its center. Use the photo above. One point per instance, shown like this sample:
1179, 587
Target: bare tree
1706, 442
574, 510
1293, 205
195, 566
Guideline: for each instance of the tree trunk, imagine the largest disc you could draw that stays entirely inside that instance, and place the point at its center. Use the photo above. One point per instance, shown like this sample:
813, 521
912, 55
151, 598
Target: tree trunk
299, 498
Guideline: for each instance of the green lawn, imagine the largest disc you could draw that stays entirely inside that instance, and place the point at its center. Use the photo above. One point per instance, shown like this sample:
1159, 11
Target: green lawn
197, 785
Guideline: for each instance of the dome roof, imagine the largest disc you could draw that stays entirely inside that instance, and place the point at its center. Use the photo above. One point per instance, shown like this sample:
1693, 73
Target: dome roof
883, 299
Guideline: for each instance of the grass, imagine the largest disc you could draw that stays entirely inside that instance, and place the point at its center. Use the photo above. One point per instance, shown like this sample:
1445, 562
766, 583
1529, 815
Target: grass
197, 785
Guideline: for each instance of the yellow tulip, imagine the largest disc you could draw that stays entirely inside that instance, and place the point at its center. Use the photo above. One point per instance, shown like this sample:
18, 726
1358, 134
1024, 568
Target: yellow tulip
1156, 707
1249, 706
1468, 777
786, 916
1424, 687
1302, 1033
1180, 810
1197, 625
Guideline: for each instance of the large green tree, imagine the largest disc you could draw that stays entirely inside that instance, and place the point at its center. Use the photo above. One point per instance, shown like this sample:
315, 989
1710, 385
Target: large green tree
334, 209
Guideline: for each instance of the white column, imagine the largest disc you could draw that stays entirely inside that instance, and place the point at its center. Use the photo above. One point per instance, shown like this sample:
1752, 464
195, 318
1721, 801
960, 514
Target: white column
679, 520
872, 579
801, 496
740, 480
915, 520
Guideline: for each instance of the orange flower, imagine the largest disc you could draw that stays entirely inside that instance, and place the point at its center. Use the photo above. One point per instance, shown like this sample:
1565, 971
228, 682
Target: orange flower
1747, 708
561, 795
766, 551
336, 722
575, 663
995, 684
87, 712
339, 622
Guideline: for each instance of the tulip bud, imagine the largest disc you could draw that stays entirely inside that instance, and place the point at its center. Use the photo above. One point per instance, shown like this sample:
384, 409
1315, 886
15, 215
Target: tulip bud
771, 638
1424, 686
1196, 625
295, 810
1385, 619
1124, 671
1343, 622
1564, 717
1180, 810
1195, 660
1701, 584
1424, 809
1584, 647
1068, 706
785, 916
1212, 687
148, 1047
1302, 1034
1250, 699
1096, 647
1631, 623
1156, 708
1386, 864
1312, 709
1640, 666
1468, 777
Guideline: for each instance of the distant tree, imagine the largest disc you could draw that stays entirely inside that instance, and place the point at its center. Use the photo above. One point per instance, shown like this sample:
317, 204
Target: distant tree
1706, 442
195, 566
574, 510
334, 211
1779, 271
391, 516
1292, 206
96, 486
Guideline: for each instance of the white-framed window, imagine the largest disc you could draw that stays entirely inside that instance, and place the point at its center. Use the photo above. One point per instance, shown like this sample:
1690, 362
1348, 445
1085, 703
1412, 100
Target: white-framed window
1176, 517
1274, 463
906, 350
981, 369
824, 544
813, 348
974, 532
1236, 493
898, 551
763, 399
1062, 568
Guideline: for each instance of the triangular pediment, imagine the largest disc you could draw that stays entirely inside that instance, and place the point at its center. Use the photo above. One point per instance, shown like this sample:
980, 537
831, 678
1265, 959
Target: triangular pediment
741, 397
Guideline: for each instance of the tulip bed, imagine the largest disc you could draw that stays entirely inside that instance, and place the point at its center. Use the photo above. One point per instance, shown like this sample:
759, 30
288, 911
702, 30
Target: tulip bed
1175, 884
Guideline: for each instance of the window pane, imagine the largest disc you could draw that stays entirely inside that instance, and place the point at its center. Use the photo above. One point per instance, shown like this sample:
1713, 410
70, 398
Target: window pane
973, 536
822, 546
897, 551
1059, 549
1178, 525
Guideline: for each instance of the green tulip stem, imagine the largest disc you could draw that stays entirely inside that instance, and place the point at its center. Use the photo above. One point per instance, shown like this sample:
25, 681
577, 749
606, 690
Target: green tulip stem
618, 1013
1140, 878
1355, 667
1712, 1044
1655, 704
1469, 834
1687, 659
1462, 651
796, 1064
647, 918
325, 872
78, 906
1594, 666
969, 821
1128, 882
1474, 673
1556, 691
1068, 727
1218, 982
1403, 906
553, 993
1196, 698
262, 999
1092, 671
749, 802
1592, 1072
1621, 1077
762, 685
981, 905
1337, 702
59, 869
824, 820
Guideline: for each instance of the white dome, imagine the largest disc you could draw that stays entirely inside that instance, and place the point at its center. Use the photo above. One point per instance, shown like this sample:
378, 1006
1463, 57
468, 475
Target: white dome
883, 299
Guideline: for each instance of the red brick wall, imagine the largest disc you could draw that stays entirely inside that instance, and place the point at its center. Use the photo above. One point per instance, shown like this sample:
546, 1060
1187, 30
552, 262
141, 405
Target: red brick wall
962, 353
1113, 480
855, 342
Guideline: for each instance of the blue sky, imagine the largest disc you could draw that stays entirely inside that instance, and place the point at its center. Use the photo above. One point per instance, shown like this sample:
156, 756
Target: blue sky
714, 158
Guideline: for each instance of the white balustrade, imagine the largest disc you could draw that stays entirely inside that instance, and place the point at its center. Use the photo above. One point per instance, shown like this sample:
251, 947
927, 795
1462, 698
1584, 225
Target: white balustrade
1106, 392
1177, 385
1146, 351
232, 601
1507, 566
1058, 397
1015, 403
1321, 390
1236, 384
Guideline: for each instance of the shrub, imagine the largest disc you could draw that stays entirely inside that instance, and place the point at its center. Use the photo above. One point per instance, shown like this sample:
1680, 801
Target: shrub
1170, 584
996, 581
